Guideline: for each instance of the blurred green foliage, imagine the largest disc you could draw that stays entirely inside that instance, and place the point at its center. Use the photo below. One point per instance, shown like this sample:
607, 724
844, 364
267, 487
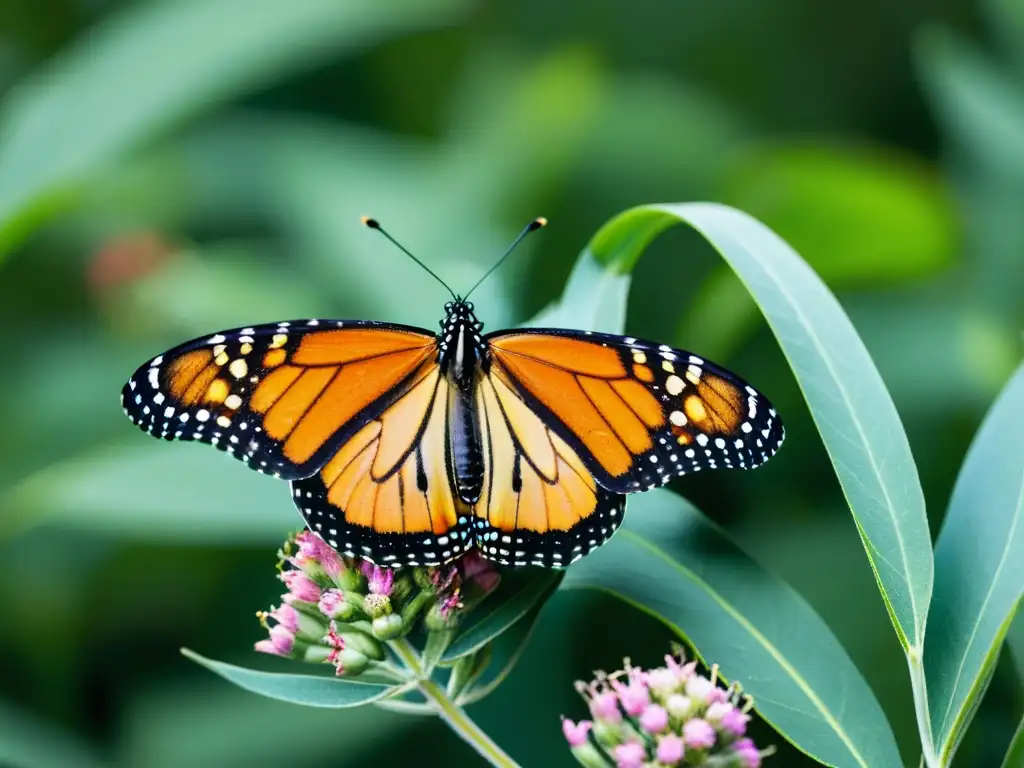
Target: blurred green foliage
168, 168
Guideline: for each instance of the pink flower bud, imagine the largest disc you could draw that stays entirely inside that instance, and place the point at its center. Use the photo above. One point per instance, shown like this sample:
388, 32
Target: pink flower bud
698, 734
748, 754
716, 695
654, 719
716, 712
281, 641
450, 604
313, 551
670, 750
631, 755
300, 587
662, 681
605, 707
287, 617
635, 696
698, 687
265, 646
576, 733
683, 672
331, 602
735, 722
679, 706
380, 579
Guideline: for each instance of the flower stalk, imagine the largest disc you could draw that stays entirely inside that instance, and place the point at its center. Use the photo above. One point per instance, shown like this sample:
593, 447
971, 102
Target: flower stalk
451, 712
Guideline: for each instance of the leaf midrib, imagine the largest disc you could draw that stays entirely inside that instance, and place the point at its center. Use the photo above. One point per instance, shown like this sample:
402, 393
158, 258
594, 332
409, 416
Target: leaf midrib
783, 662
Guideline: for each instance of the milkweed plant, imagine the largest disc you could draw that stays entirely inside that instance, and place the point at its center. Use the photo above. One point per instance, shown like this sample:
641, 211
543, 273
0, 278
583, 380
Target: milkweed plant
434, 640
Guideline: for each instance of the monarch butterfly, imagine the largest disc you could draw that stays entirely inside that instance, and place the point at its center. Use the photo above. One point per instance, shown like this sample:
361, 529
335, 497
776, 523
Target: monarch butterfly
406, 447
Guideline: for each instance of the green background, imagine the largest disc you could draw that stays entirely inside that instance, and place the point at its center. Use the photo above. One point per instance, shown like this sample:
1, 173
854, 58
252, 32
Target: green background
170, 169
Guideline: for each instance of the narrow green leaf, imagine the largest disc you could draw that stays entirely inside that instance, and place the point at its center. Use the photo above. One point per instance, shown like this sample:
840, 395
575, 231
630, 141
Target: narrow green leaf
670, 561
847, 398
145, 69
1015, 754
309, 690
505, 651
979, 562
1015, 639
520, 589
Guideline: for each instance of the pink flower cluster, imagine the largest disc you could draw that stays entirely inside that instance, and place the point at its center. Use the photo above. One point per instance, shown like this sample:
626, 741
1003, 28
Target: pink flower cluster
669, 716
339, 610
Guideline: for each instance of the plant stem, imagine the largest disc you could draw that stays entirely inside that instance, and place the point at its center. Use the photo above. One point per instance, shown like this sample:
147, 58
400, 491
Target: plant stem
924, 727
449, 711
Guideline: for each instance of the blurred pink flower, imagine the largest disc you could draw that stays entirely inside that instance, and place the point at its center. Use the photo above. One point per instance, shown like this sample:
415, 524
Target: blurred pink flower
576, 733
643, 719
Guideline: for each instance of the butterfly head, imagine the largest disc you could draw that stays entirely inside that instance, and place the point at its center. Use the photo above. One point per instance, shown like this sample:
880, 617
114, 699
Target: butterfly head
461, 347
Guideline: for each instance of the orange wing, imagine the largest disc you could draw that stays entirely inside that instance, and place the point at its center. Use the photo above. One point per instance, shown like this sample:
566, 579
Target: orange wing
539, 505
636, 413
279, 397
386, 494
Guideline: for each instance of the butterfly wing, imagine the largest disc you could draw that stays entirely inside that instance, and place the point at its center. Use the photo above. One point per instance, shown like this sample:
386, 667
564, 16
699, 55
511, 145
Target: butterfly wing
539, 504
387, 494
280, 397
636, 413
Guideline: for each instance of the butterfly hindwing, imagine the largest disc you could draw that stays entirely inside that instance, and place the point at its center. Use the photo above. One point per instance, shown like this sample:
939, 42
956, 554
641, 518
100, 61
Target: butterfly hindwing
279, 396
539, 504
637, 413
387, 494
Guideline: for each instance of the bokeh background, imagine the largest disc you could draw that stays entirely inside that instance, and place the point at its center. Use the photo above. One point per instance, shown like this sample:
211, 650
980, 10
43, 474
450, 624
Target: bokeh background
172, 168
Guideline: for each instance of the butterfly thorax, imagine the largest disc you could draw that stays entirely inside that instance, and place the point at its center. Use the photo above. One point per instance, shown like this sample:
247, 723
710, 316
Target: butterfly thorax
462, 353
461, 348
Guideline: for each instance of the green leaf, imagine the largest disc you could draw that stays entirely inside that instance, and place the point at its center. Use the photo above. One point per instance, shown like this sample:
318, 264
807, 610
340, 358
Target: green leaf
670, 561
979, 562
1015, 754
847, 398
1015, 639
505, 651
26, 742
154, 64
519, 591
856, 214
308, 690
135, 490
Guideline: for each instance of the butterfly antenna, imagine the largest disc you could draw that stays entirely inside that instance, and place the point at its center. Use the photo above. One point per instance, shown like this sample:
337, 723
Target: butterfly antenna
374, 224
531, 227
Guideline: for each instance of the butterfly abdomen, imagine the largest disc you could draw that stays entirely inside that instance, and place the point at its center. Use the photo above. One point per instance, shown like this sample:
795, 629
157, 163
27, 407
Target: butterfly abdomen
467, 454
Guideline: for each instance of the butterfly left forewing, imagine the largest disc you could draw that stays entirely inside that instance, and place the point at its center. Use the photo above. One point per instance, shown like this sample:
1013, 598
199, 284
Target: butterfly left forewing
277, 396
637, 413
387, 494
539, 504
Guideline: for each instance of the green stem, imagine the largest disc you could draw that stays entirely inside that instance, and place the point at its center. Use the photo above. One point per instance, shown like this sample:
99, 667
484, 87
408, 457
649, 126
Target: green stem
449, 711
924, 727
